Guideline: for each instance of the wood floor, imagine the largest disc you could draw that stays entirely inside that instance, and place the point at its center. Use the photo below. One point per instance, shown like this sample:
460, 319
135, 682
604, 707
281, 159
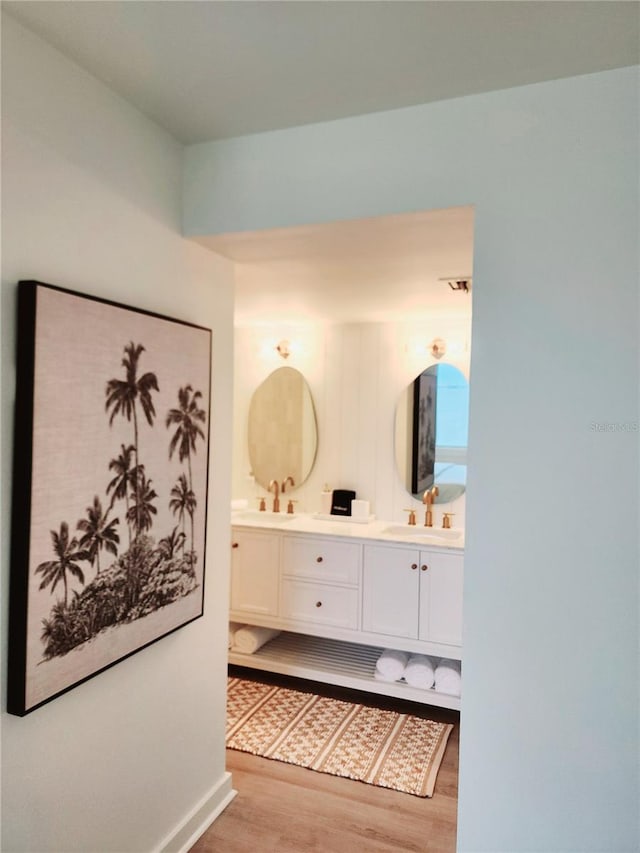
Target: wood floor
281, 808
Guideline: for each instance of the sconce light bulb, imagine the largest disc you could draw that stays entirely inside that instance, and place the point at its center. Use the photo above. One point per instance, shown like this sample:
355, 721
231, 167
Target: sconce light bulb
438, 347
283, 349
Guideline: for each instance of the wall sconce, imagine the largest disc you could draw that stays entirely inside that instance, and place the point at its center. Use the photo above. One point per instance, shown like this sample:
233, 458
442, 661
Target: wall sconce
438, 347
283, 349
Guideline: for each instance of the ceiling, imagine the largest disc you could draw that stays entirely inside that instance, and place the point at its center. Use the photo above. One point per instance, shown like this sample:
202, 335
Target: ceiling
212, 69
368, 270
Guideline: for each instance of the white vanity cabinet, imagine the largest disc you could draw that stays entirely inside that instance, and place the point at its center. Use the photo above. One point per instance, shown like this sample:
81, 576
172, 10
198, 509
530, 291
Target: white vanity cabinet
255, 572
412, 593
441, 598
321, 559
390, 591
339, 600
320, 582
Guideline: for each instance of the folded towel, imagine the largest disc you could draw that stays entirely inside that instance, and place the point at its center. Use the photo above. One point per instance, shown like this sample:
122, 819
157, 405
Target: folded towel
391, 664
419, 672
380, 677
252, 637
233, 627
448, 677
239, 503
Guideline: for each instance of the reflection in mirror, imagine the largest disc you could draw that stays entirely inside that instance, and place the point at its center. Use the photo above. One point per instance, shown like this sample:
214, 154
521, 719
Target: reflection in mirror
283, 436
432, 421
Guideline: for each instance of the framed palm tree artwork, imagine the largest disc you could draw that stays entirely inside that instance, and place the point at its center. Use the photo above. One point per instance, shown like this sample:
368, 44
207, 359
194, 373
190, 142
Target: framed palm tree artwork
111, 456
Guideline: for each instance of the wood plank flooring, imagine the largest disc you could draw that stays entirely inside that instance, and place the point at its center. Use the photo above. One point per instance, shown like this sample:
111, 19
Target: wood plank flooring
281, 808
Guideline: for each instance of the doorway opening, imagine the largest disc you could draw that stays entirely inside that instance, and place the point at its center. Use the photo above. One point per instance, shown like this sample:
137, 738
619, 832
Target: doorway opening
361, 311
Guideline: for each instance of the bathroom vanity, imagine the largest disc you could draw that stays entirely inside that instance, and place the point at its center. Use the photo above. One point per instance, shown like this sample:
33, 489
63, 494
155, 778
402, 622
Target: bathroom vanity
341, 592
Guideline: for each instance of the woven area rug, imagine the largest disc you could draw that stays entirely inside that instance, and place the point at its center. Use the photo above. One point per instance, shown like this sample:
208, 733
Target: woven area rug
383, 748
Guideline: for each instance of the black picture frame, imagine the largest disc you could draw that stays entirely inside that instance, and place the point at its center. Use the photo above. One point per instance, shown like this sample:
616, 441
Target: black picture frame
110, 482
423, 455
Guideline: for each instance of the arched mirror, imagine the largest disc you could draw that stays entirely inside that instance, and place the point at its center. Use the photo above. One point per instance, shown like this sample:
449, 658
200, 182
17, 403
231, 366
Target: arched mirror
432, 421
283, 436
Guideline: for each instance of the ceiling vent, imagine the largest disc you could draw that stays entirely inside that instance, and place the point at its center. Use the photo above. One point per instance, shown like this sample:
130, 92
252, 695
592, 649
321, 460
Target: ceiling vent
458, 283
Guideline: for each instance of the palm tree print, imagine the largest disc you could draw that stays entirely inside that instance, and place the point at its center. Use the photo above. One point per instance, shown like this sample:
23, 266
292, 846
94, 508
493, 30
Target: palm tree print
170, 544
68, 555
98, 533
142, 510
122, 395
93, 578
187, 418
183, 502
125, 473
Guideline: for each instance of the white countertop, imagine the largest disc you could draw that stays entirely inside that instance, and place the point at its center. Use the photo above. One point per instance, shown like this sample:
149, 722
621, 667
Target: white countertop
380, 531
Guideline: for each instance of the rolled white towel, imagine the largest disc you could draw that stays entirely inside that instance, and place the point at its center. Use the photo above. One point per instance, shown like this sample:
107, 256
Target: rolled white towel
449, 677
391, 664
380, 677
419, 672
252, 637
233, 627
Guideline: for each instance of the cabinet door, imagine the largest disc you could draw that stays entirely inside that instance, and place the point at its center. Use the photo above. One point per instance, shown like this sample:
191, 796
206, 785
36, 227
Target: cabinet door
254, 572
441, 597
390, 598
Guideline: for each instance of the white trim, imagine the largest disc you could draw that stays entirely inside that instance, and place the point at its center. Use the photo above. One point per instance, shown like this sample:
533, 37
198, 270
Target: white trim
182, 838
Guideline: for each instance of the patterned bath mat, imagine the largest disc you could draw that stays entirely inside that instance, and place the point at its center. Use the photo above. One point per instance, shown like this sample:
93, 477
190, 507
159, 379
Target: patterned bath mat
382, 748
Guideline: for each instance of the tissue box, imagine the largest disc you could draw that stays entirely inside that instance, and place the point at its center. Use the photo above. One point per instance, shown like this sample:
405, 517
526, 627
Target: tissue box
341, 501
360, 510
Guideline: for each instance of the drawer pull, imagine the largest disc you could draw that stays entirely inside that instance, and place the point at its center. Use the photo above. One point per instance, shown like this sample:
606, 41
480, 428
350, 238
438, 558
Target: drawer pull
318, 604
424, 568
235, 545
414, 566
318, 559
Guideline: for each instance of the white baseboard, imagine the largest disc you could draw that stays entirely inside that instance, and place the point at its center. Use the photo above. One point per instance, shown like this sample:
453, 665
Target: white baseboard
199, 819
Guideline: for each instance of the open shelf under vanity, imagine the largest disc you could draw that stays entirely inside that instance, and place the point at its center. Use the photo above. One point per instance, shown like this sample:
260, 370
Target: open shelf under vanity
337, 662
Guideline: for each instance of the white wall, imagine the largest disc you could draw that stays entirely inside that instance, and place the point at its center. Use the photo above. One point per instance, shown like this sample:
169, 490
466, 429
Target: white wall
356, 374
549, 750
134, 759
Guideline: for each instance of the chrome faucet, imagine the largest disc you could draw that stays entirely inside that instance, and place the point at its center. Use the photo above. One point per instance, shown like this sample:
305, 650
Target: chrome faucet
276, 491
427, 499
289, 479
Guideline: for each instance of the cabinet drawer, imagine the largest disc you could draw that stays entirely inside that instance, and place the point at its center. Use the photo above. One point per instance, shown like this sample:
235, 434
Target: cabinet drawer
321, 559
319, 603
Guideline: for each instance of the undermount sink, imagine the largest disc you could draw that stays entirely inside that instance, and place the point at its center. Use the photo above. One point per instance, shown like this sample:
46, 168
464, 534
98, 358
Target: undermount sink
257, 515
443, 534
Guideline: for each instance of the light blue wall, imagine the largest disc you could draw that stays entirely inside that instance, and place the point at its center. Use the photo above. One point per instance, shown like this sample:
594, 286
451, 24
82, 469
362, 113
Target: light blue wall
549, 752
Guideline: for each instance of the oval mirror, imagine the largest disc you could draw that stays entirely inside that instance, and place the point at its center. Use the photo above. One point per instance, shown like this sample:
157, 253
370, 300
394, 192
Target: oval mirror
283, 436
432, 421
